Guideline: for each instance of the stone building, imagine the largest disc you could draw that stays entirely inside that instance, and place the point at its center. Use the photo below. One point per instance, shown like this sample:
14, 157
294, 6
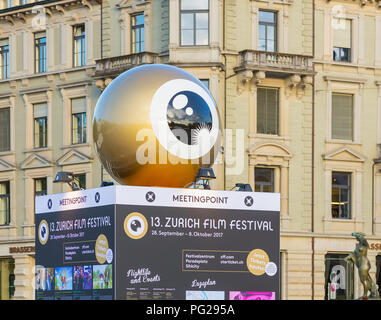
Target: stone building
298, 95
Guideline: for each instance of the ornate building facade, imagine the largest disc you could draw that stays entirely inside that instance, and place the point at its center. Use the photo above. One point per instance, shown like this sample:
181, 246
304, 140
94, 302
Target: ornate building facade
298, 96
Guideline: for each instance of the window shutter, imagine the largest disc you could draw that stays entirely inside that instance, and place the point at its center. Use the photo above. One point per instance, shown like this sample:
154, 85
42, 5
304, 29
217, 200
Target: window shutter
342, 33
40, 110
261, 109
342, 116
267, 111
272, 111
4, 129
78, 105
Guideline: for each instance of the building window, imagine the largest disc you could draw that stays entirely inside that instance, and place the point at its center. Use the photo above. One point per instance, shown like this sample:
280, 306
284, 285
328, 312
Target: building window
79, 51
205, 82
12, 287
342, 35
137, 33
5, 141
339, 278
4, 59
40, 115
341, 195
268, 111
267, 38
264, 179
342, 116
5, 207
78, 120
7, 4
80, 180
40, 187
7, 286
40, 52
194, 23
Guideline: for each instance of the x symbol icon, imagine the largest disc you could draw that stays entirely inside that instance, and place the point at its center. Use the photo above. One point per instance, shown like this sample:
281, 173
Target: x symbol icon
150, 196
249, 201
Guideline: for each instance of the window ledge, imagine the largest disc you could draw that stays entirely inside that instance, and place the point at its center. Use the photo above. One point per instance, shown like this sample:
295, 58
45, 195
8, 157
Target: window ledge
28, 225
334, 141
341, 220
345, 79
78, 145
37, 150
44, 74
347, 64
206, 46
336, 220
7, 153
268, 136
8, 226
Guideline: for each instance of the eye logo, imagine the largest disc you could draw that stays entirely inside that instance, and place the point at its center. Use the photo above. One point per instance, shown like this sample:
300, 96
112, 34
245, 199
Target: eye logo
184, 118
135, 225
43, 232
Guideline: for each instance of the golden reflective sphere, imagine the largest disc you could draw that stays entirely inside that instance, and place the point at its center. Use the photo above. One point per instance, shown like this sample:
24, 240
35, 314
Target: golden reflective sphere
156, 125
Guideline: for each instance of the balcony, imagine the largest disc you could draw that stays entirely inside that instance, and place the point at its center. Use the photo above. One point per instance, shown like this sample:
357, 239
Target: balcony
20, 11
274, 64
365, 2
112, 67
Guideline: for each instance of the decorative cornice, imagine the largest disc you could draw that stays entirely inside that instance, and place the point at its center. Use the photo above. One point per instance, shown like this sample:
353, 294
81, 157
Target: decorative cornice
42, 162
67, 158
343, 79
75, 84
356, 157
132, 5
36, 90
22, 11
6, 166
271, 2
365, 2
284, 150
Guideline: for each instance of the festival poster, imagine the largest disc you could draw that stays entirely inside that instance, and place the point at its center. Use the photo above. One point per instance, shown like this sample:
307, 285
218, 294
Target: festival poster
73, 245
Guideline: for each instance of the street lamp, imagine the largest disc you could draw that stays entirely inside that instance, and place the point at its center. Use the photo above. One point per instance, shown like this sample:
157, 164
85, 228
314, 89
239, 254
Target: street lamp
202, 179
66, 177
107, 183
243, 187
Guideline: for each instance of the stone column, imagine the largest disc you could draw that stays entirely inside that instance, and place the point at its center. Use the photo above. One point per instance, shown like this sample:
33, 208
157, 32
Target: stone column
4, 279
24, 277
283, 190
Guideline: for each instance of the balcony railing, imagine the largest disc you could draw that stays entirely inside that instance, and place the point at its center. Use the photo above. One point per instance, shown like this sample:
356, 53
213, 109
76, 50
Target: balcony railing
274, 61
117, 65
18, 9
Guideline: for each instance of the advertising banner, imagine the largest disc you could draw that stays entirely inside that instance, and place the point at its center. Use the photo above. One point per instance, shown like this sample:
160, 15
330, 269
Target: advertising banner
132, 243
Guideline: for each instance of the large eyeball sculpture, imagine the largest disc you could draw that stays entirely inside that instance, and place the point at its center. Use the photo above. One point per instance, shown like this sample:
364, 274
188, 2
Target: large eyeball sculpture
156, 125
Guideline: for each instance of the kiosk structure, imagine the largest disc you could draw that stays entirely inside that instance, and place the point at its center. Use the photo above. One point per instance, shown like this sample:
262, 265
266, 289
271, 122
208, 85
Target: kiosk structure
124, 242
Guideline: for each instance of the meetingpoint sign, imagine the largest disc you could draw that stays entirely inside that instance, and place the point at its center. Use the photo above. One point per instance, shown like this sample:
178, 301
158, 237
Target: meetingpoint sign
122, 242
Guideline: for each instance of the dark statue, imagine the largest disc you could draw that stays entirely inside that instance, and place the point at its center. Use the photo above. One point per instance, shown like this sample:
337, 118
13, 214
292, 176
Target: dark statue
360, 259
